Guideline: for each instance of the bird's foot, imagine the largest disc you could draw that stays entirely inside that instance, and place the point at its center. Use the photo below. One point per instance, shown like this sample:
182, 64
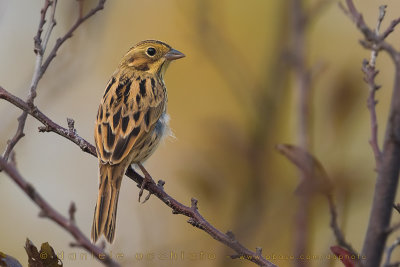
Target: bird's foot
147, 179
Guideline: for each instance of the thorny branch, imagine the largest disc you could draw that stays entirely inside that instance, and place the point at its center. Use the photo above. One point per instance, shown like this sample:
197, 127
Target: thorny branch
49, 212
195, 218
388, 165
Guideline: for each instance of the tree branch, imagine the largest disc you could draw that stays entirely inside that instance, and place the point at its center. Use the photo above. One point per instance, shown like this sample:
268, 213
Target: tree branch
49, 212
40, 67
388, 171
336, 229
370, 72
68, 34
316, 181
389, 254
195, 218
302, 88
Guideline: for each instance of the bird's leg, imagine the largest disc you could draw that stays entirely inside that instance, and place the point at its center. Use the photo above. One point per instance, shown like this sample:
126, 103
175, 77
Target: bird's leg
147, 179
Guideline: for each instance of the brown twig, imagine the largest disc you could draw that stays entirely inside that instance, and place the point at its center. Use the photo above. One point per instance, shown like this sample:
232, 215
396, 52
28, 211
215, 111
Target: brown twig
195, 218
49, 212
40, 67
393, 228
49, 125
390, 250
370, 72
388, 171
336, 229
71, 211
397, 207
302, 90
38, 47
68, 34
318, 181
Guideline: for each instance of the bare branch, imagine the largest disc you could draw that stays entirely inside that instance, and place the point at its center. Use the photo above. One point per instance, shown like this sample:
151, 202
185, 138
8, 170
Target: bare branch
370, 72
302, 89
195, 218
390, 250
397, 207
336, 229
40, 47
70, 32
17, 136
393, 228
390, 29
71, 211
317, 179
48, 211
49, 125
40, 67
389, 166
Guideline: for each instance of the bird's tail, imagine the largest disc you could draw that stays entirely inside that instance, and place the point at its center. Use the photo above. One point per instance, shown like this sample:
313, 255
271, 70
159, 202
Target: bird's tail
105, 213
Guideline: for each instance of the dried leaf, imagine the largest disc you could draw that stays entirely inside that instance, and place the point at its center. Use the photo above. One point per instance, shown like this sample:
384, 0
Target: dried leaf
316, 179
344, 255
46, 257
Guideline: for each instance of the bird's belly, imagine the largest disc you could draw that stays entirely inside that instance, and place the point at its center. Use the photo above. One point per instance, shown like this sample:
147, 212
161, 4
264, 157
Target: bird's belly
144, 150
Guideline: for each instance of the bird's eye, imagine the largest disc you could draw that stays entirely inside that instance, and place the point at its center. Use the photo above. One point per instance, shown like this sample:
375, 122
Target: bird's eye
151, 51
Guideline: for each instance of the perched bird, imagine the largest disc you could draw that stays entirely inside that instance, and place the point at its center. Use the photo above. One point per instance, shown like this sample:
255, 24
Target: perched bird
131, 121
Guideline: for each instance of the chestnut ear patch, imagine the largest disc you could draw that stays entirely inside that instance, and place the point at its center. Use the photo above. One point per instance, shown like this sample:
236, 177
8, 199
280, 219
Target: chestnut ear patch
143, 67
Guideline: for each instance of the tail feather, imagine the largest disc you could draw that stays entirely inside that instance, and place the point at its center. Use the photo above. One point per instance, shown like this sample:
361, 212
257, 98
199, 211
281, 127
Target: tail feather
105, 213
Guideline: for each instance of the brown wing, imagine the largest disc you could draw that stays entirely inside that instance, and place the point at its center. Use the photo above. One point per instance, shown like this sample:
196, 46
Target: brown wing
128, 111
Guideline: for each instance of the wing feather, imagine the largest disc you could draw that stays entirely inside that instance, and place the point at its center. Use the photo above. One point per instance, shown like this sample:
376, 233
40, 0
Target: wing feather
128, 112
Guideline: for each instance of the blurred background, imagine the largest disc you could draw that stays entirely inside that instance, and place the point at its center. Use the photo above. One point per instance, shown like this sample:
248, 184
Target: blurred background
231, 100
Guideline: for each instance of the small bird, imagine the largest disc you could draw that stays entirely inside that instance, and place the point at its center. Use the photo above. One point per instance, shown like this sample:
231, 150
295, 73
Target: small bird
131, 121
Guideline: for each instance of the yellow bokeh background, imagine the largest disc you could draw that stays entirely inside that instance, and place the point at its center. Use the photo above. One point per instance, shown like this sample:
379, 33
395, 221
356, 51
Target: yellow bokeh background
231, 100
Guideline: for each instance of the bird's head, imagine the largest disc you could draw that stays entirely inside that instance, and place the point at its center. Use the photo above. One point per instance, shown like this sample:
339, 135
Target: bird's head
150, 56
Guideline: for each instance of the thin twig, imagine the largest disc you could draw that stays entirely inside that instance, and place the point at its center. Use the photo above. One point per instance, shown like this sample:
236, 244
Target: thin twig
38, 45
389, 252
40, 67
393, 228
49, 125
195, 218
397, 207
390, 28
389, 166
370, 72
49, 212
317, 178
336, 229
40, 48
68, 34
302, 90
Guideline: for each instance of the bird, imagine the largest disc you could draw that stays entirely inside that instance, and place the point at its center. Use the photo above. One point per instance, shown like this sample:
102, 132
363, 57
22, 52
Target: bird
131, 121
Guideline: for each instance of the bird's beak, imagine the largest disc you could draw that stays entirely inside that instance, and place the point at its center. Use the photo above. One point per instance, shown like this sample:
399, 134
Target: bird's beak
174, 54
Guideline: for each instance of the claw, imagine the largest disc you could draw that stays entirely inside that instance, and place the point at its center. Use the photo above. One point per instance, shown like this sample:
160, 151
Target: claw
147, 179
